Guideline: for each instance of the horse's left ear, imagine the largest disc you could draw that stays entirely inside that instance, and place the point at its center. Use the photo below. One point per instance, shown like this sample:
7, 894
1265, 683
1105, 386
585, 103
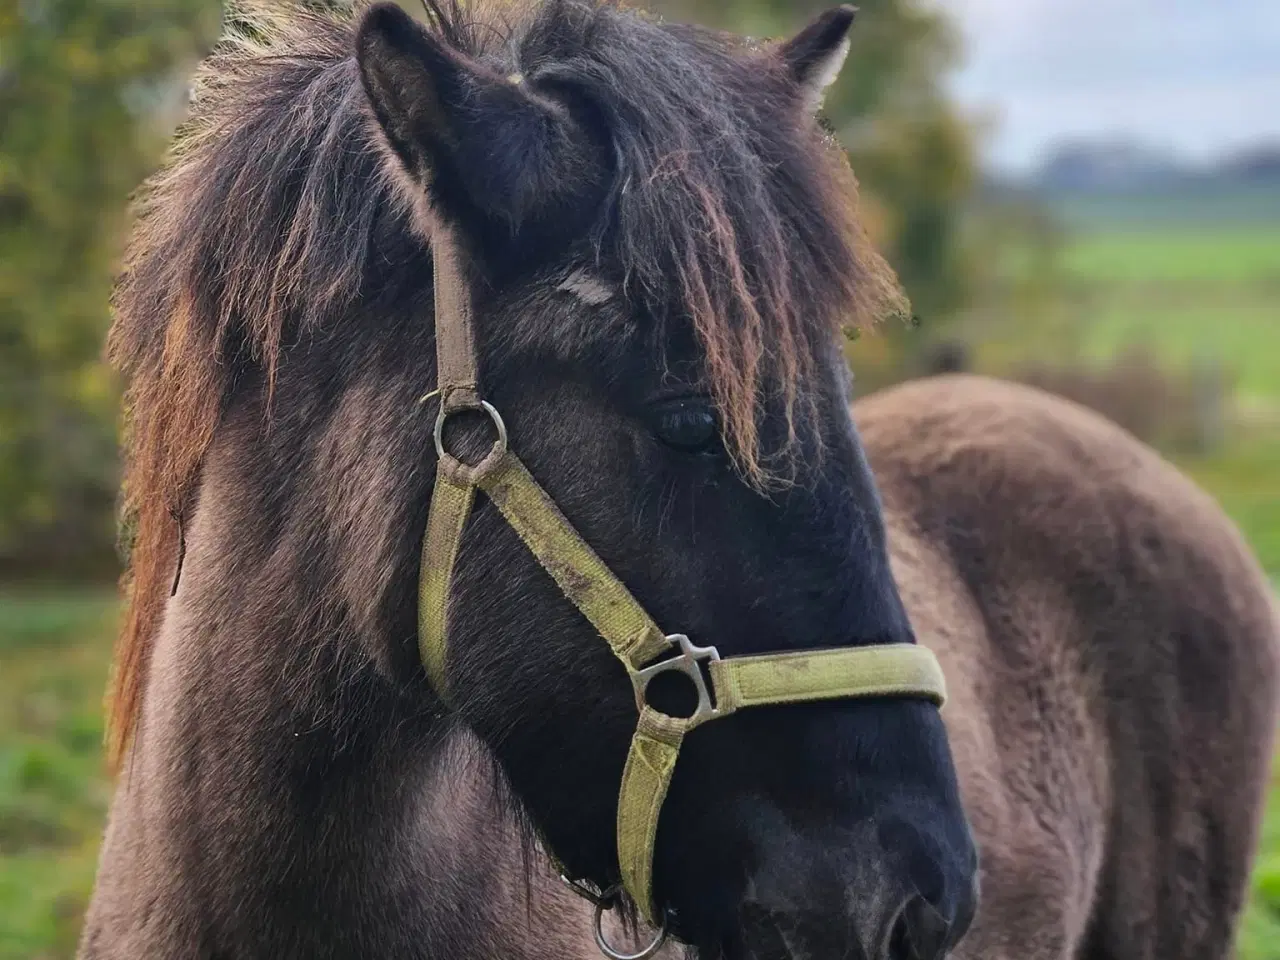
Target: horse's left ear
815, 55
465, 133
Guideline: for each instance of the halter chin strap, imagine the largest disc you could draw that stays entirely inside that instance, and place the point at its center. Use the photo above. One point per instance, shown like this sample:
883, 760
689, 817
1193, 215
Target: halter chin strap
897, 670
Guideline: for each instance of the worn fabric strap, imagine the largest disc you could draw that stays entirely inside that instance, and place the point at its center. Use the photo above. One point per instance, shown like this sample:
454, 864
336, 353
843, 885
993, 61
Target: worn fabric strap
901, 670
645, 779
451, 502
580, 573
890, 670
898, 670
456, 377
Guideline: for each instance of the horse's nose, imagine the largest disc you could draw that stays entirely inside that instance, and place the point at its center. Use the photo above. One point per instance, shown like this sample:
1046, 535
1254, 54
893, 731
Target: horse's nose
918, 932
882, 915
938, 901
896, 889
924, 906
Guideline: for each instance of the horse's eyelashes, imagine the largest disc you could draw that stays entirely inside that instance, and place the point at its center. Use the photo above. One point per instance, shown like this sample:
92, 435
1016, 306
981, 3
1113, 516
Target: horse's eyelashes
686, 424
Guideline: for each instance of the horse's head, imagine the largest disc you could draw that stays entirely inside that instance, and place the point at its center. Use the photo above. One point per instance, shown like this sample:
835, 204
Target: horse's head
660, 254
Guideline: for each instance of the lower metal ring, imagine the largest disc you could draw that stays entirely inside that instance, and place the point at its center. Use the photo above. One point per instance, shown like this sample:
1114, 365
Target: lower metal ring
604, 905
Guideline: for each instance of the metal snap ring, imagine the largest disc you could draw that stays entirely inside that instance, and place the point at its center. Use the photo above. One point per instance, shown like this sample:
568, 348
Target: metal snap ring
449, 461
606, 903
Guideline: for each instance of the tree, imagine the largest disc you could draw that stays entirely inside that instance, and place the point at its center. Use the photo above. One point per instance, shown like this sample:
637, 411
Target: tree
82, 85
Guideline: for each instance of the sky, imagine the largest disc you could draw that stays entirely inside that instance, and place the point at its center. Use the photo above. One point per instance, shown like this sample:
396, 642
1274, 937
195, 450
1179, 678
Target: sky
1197, 76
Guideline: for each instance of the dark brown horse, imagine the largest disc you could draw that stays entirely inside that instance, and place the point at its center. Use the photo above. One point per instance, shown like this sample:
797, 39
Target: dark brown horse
662, 248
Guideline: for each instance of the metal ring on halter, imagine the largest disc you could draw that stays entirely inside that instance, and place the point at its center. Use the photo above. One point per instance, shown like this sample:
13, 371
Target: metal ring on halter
605, 903
499, 450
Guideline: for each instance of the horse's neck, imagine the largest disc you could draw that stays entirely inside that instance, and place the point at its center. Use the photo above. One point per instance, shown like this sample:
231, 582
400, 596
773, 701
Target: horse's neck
280, 803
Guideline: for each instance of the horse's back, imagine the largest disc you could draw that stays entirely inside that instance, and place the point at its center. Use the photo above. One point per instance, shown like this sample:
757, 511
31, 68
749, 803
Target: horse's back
1113, 653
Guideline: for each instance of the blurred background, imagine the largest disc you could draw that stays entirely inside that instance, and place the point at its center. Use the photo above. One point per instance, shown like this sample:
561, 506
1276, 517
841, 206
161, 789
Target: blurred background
1083, 197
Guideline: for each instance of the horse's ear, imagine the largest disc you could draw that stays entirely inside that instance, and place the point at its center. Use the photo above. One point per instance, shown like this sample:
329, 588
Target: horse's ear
815, 55
407, 73
455, 124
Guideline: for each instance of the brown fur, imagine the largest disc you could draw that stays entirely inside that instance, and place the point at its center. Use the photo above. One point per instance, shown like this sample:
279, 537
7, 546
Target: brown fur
1111, 649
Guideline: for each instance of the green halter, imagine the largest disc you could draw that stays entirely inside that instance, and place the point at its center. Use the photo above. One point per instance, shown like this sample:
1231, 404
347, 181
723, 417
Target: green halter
897, 670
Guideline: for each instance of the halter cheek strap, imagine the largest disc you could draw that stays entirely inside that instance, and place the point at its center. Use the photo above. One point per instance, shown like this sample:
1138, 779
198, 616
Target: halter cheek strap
723, 686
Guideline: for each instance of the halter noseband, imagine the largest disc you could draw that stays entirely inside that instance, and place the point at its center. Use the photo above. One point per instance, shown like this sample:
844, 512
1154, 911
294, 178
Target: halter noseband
890, 670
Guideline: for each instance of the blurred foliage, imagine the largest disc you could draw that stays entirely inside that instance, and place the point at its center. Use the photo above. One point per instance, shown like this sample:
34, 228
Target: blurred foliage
89, 90
86, 87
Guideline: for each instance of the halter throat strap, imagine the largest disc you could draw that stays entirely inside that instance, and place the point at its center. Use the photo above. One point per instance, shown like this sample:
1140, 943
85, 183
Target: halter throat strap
723, 686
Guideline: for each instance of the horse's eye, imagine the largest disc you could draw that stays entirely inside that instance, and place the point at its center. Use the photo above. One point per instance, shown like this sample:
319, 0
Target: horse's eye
687, 424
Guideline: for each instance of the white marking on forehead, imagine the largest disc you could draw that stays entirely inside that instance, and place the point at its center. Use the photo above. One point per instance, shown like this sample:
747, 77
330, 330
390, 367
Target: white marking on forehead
587, 287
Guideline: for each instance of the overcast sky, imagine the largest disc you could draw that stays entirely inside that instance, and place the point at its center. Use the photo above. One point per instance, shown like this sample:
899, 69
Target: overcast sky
1200, 76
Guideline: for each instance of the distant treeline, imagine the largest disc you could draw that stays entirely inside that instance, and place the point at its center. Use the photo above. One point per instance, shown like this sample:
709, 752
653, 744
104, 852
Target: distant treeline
1126, 165
1101, 184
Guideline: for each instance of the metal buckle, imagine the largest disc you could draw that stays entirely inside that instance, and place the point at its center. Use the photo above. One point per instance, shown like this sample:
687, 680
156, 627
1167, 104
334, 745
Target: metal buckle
688, 663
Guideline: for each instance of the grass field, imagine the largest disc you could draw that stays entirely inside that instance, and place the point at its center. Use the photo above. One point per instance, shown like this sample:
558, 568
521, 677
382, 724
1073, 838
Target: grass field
1195, 296
54, 652
1182, 207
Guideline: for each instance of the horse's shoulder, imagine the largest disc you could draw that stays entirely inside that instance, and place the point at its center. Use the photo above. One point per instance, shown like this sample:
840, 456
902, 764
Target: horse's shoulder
1009, 461
1036, 502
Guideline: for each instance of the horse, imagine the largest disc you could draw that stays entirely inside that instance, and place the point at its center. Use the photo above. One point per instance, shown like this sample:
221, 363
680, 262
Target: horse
659, 247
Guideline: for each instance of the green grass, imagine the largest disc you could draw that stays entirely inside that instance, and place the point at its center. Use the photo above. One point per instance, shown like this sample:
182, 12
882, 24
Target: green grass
54, 653
1223, 255
1260, 931
1190, 295
1241, 335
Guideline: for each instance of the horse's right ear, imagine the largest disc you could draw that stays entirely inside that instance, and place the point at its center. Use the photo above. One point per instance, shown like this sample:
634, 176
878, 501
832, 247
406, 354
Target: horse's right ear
815, 55
453, 123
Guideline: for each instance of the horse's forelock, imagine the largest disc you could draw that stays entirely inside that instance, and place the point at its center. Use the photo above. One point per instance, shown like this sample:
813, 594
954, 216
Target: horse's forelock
730, 210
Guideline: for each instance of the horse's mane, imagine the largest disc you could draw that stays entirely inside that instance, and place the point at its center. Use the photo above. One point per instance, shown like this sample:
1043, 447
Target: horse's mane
264, 217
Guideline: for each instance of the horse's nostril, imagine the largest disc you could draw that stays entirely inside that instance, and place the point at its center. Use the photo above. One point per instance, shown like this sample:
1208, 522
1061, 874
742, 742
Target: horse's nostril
919, 933
918, 855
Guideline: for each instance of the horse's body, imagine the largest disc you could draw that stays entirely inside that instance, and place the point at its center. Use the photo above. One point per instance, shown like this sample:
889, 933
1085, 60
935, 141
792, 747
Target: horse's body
1112, 654
659, 257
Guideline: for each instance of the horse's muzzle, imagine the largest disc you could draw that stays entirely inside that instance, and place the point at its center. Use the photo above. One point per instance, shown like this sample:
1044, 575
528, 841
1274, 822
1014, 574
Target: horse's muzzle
892, 896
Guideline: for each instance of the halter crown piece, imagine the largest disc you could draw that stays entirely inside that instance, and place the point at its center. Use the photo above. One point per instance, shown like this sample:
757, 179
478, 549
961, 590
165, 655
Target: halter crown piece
736, 683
